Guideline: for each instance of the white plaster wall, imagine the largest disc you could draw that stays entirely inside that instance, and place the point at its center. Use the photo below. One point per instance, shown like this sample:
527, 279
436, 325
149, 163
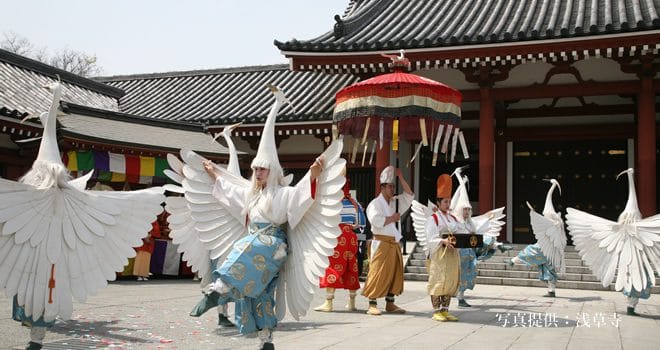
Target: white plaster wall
602, 69
526, 74
297, 144
452, 77
596, 69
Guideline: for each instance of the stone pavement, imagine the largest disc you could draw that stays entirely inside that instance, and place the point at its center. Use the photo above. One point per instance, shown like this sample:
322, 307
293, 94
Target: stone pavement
154, 315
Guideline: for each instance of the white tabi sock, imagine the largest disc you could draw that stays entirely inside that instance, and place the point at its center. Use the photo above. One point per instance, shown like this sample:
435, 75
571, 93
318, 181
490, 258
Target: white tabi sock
37, 334
265, 335
223, 309
218, 286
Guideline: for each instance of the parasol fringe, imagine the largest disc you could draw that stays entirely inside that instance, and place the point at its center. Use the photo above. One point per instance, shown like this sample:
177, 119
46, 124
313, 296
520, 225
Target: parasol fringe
422, 130
445, 143
461, 139
419, 147
355, 149
381, 132
364, 152
438, 136
432, 131
453, 144
373, 151
366, 131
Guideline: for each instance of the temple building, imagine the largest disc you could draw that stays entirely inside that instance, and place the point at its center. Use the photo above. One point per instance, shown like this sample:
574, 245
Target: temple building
552, 89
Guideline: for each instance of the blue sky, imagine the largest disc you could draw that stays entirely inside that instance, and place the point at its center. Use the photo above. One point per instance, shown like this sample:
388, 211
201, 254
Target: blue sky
144, 36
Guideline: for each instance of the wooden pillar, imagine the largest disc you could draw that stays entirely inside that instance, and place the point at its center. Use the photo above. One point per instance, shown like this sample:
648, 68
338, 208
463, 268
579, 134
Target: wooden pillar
646, 146
500, 164
486, 152
382, 161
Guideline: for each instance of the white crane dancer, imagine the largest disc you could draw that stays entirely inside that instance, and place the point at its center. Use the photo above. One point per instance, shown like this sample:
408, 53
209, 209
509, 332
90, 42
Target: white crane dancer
268, 235
182, 225
487, 225
547, 254
628, 248
60, 241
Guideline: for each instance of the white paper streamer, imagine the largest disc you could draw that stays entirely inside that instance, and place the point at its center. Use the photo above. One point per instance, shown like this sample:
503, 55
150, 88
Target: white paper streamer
422, 131
381, 131
355, 149
366, 131
445, 143
419, 147
453, 144
436, 145
373, 150
461, 139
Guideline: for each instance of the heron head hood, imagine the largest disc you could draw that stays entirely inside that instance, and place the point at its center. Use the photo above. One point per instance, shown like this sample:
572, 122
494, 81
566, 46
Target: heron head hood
266, 156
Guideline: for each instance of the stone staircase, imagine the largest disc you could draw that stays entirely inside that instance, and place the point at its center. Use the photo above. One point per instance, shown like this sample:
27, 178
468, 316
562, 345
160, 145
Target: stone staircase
496, 271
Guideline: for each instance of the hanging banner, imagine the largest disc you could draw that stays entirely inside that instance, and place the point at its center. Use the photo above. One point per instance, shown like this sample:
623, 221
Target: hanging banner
116, 167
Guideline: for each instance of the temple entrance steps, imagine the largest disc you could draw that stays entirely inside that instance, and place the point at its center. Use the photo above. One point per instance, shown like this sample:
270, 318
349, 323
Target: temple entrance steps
496, 271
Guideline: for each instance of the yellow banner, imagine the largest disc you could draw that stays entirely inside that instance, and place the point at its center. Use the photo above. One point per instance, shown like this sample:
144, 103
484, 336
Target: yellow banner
72, 164
395, 135
147, 166
118, 177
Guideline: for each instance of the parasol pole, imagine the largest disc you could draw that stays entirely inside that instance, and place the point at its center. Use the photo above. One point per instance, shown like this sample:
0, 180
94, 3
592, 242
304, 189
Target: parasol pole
399, 64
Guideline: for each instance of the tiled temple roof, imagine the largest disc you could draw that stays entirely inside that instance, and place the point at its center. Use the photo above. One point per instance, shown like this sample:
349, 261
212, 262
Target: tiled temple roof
226, 96
374, 25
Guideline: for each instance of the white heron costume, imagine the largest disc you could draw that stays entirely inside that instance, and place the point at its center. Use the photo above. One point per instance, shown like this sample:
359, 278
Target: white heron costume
274, 241
183, 230
547, 254
60, 241
626, 251
487, 225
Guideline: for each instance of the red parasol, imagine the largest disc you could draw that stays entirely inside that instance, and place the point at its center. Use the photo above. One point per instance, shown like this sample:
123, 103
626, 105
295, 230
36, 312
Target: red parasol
398, 106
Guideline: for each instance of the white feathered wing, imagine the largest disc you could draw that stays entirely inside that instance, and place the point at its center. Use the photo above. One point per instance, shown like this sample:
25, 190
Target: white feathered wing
201, 226
420, 214
313, 239
489, 223
629, 250
79, 239
550, 236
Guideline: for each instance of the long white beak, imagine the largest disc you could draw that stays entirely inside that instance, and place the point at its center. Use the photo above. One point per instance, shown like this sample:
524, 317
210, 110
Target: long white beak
233, 126
29, 117
226, 129
459, 170
624, 172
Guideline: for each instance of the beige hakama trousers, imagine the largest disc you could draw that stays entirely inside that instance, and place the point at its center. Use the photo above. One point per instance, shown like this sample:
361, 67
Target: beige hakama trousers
444, 272
385, 275
142, 264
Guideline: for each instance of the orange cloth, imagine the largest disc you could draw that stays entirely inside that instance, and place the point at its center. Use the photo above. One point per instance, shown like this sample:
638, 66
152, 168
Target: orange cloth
443, 188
